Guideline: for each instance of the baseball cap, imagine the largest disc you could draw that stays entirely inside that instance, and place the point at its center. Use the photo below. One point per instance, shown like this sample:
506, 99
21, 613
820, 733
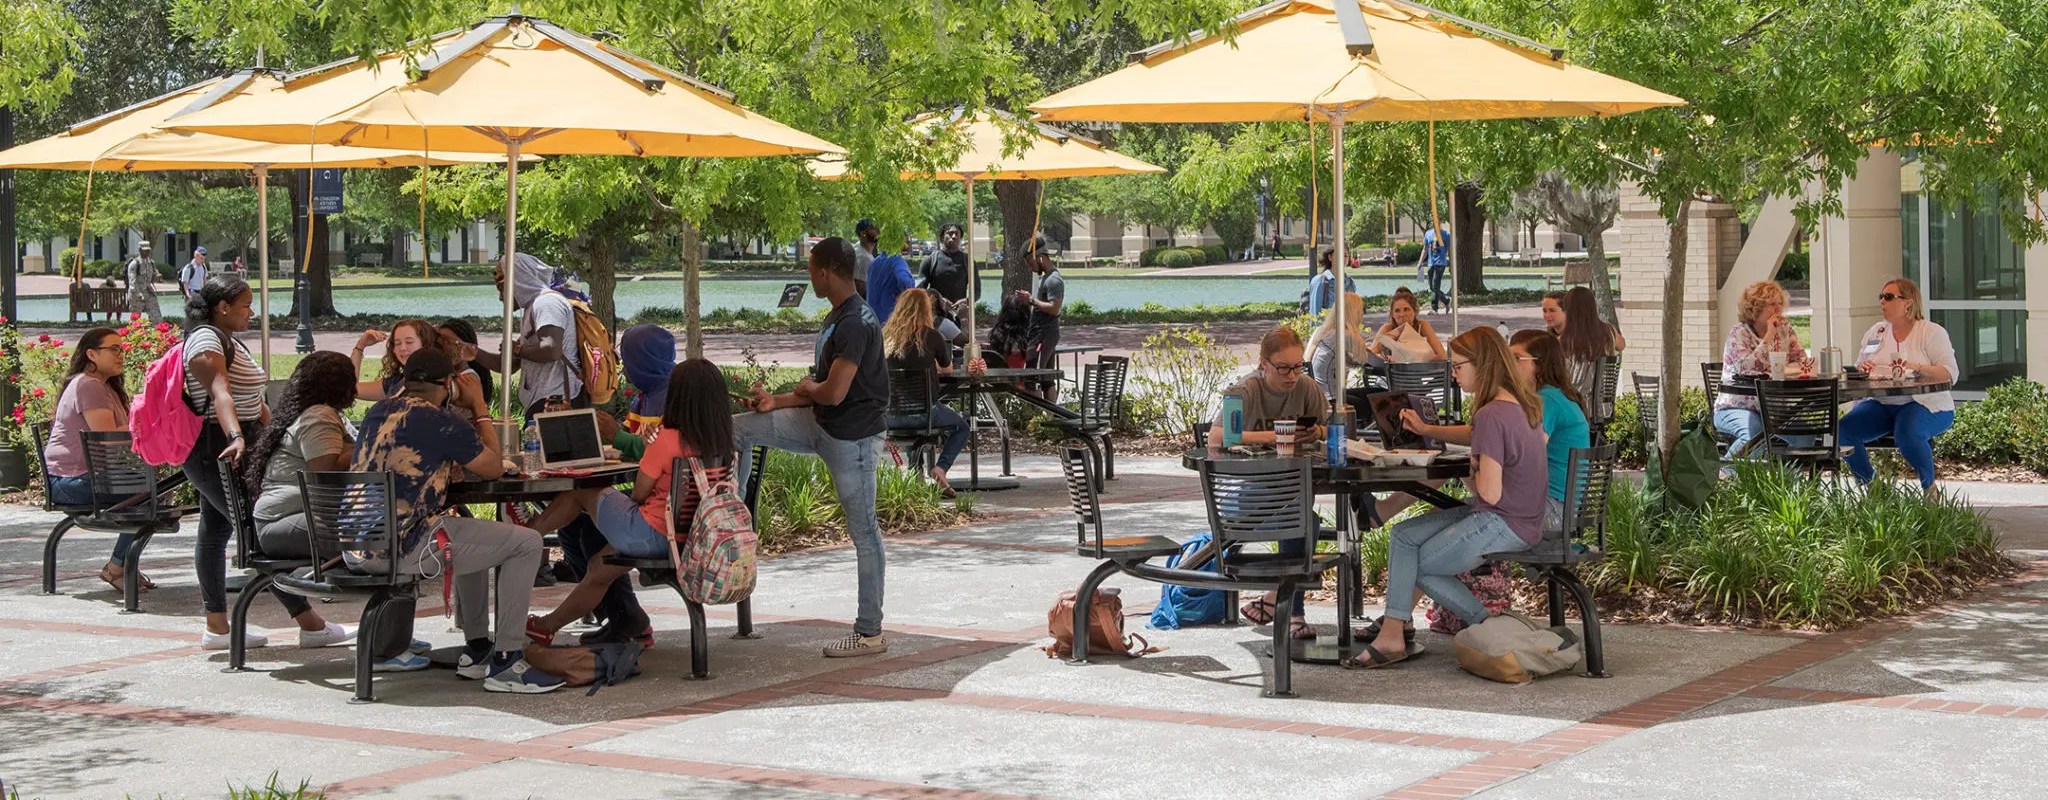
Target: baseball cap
199, 251
865, 225
429, 366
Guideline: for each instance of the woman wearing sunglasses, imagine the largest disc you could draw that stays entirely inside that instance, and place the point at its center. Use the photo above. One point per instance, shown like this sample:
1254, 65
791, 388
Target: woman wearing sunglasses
1278, 390
1903, 342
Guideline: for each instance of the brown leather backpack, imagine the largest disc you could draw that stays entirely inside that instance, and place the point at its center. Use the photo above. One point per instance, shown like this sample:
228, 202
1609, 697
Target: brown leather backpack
1105, 627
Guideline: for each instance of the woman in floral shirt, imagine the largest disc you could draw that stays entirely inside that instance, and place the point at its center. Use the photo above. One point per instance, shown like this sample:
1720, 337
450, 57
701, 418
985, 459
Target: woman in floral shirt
1761, 332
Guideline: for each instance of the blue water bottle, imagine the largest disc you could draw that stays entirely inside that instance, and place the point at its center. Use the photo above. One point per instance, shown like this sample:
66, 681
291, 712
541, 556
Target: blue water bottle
1336, 456
1233, 418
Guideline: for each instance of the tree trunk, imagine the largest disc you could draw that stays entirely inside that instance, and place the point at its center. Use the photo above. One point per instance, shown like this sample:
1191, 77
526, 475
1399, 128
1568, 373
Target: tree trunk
693, 297
1603, 285
1673, 333
1468, 230
1019, 203
396, 254
600, 274
316, 267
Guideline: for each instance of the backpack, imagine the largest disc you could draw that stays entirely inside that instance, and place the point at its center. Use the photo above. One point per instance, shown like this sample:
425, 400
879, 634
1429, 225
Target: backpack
1105, 627
597, 355
717, 565
595, 665
1181, 605
1512, 648
161, 417
1489, 583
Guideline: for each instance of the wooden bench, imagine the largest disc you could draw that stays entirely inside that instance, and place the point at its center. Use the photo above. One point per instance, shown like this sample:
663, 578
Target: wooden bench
89, 300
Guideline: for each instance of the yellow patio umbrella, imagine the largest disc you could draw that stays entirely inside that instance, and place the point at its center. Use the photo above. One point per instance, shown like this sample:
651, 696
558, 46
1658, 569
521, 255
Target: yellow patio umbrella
1345, 61
512, 85
132, 140
1048, 153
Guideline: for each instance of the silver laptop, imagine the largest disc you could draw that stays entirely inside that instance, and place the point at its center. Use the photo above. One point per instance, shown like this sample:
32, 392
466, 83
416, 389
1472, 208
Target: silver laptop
568, 439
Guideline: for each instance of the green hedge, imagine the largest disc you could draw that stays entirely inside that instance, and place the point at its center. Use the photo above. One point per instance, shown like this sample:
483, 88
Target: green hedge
1175, 259
2009, 427
1408, 252
1626, 429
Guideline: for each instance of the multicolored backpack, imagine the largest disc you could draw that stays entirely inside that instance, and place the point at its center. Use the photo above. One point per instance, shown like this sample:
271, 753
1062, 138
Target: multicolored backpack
716, 566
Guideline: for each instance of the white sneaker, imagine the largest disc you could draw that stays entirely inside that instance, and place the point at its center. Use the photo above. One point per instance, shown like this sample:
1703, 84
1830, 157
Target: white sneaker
219, 641
857, 645
333, 634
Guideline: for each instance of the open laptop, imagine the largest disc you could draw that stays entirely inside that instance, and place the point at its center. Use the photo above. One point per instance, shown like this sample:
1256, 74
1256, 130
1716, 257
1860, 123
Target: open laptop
568, 439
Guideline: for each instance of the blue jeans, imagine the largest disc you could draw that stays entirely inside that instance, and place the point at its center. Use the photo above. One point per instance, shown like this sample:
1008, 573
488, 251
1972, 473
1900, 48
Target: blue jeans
77, 491
944, 420
852, 465
581, 541
1910, 424
1429, 551
1747, 425
1437, 295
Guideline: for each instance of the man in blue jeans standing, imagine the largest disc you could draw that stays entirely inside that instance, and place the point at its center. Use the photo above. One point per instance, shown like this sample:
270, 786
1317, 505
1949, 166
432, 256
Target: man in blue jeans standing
835, 413
1436, 256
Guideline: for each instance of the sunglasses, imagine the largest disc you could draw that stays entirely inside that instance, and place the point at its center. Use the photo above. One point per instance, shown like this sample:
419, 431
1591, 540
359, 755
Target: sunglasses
1888, 297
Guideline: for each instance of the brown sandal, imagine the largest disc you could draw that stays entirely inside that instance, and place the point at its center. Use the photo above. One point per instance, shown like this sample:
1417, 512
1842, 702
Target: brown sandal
1300, 629
142, 582
1258, 612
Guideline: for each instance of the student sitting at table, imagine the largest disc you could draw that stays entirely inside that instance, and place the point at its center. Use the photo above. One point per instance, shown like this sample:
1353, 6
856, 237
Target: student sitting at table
455, 333
1510, 480
647, 354
93, 399
1539, 363
423, 443
407, 336
696, 422
1276, 391
1407, 338
1760, 330
911, 341
1903, 342
1009, 339
1586, 339
1322, 347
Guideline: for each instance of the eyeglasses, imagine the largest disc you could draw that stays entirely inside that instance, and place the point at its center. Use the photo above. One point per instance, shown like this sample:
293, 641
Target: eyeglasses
104, 347
1456, 363
1888, 297
1531, 359
1287, 369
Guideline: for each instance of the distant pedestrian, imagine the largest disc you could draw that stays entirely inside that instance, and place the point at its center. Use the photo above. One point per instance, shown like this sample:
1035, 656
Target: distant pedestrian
1046, 303
193, 275
1321, 288
948, 272
1436, 258
141, 272
887, 275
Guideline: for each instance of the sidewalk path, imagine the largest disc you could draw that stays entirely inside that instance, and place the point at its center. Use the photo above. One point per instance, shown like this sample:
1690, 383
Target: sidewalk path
98, 704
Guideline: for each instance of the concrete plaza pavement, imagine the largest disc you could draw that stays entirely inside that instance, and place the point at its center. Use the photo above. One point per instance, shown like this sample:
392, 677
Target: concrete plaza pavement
95, 703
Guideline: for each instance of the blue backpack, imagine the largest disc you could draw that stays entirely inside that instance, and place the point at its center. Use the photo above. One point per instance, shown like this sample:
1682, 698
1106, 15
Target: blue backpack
1180, 605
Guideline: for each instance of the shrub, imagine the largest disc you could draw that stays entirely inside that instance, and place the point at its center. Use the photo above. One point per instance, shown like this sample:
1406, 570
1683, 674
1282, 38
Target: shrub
1407, 252
1626, 429
1196, 255
1291, 251
798, 507
1216, 253
1176, 377
1149, 257
2008, 427
1176, 259
1774, 545
1794, 267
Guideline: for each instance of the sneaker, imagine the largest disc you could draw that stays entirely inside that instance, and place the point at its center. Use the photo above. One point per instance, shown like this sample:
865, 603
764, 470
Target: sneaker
537, 634
544, 578
219, 641
473, 665
403, 662
857, 645
511, 673
420, 646
333, 634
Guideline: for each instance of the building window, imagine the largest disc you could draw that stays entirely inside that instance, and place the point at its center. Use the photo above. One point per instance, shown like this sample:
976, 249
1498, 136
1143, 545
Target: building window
1970, 257
1990, 345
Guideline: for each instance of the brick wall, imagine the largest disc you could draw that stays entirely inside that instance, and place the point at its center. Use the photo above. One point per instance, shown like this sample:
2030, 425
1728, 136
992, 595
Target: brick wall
1643, 239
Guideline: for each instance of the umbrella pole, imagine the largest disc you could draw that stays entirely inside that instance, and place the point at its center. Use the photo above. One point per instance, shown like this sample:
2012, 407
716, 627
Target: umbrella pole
973, 278
263, 257
1337, 254
505, 355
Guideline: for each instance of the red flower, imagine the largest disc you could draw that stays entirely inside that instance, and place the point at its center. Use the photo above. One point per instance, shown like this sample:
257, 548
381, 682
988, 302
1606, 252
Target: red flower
163, 327
123, 331
38, 393
135, 316
43, 338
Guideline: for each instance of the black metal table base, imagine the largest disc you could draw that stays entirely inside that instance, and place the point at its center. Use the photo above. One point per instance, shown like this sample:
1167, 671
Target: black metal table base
986, 483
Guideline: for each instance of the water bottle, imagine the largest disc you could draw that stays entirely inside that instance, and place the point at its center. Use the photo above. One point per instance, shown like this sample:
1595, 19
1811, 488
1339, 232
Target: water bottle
1233, 418
1335, 444
529, 445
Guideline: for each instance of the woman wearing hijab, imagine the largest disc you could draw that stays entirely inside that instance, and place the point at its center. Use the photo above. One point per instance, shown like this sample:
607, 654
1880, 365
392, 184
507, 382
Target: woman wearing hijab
648, 355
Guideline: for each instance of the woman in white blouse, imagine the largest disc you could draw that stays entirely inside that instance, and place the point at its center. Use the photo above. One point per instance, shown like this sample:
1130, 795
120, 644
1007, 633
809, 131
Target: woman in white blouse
1904, 343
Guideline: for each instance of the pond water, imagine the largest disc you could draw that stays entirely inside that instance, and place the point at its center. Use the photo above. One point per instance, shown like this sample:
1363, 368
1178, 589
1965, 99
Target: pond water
1102, 293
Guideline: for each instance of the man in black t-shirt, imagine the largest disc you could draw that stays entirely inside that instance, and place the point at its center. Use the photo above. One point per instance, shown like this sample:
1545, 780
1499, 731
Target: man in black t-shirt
836, 414
1045, 312
947, 271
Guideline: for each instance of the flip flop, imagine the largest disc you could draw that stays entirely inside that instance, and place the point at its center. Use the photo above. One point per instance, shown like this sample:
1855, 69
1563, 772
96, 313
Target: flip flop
1300, 629
142, 582
1376, 659
1258, 612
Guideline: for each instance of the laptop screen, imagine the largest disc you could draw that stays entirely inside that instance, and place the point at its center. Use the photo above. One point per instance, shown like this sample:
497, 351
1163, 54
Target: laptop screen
569, 436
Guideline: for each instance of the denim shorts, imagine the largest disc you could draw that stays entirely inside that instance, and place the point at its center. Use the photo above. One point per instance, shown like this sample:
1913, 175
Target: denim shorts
628, 531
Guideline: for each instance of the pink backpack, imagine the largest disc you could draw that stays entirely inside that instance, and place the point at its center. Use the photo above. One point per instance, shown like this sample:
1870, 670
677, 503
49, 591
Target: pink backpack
716, 566
164, 425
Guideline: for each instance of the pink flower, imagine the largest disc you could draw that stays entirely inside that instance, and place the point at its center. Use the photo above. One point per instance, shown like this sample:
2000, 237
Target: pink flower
163, 327
38, 393
125, 347
123, 331
43, 338
135, 316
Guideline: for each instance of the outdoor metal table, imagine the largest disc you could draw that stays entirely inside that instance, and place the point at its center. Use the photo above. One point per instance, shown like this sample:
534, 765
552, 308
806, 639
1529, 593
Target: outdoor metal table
997, 381
1076, 350
1358, 475
1853, 389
